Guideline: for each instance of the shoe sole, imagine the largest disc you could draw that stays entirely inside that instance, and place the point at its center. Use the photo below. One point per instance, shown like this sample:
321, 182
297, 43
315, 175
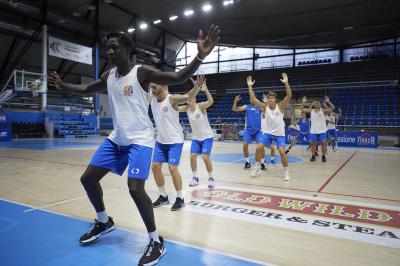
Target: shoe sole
174, 210
94, 238
190, 185
164, 203
213, 186
154, 262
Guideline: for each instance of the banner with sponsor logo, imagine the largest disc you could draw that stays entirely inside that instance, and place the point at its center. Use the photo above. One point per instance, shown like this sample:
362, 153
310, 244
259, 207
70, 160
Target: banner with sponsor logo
357, 138
5, 126
365, 222
345, 138
70, 51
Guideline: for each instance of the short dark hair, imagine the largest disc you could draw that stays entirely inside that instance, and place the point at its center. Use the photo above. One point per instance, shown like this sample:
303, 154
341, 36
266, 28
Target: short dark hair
124, 39
271, 93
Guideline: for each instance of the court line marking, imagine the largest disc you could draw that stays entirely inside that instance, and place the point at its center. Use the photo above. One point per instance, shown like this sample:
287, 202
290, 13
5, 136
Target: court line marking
145, 235
336, 172
37, 160
304, 190
68, 200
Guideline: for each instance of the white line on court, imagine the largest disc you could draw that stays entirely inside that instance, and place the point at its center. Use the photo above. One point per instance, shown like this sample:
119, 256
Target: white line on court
68, 200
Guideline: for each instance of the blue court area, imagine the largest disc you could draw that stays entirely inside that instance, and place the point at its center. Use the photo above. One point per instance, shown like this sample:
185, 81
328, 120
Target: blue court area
44, 238
48, 144
238, 158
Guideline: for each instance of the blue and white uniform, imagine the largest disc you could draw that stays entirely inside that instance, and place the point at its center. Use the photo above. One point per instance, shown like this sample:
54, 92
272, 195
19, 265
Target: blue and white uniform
131, 142
274, 131
202, 133
331, 125
169, 142
318, 126
252, 131
304, 130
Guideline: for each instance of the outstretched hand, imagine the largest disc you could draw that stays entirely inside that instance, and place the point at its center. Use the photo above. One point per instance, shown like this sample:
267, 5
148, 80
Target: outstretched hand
250, 81
206, 45
199, 81
304, 99
237, 98
284, 78
55, 80
327, 99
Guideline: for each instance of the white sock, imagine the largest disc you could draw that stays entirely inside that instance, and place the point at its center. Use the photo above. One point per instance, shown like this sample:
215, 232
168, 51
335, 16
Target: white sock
154, 236
195, 174
247, 160
272, 158
210, 175
262, 160
258, 165
286, 170
162, 191
179, 194
102, 217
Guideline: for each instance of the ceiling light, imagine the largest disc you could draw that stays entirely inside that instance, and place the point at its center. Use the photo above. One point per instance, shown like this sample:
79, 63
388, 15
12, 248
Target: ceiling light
76, 14
172, 18
207, 8
130, 30
188, 12
348, 28
108, 1
92, 7
228, 2
143, 26
157, 21
61, 20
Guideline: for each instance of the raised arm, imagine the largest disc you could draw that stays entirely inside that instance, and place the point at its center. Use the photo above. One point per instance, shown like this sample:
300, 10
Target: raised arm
330, 105
210, 100
288, 96
305, 110
182, 108
253, 96
99, 85
204, 47
235, 108
182, 98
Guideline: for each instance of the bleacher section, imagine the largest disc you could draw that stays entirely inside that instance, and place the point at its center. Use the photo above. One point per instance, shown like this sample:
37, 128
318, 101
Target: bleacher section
73, 125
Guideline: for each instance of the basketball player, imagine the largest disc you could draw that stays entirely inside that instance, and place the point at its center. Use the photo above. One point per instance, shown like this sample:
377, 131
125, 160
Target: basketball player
202, 135
263, 129
331, 121
131, 141
303, 125
318, 125
169, 144
252, 130
275, 125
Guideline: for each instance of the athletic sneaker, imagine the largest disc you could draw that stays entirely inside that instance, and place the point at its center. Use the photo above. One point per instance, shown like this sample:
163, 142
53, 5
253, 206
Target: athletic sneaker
256, 172
312, 158
97, 230
247, 165
286, 177
194, 182
287, 151
323, 159
179, 204
316, 154
161, 201
153, 253
211, 183
263, 167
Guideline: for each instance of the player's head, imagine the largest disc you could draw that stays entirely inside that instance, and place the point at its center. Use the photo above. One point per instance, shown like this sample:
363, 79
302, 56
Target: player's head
303, 115
157, 89
317, 104
252, 101
119, 47
271, 97
191, 102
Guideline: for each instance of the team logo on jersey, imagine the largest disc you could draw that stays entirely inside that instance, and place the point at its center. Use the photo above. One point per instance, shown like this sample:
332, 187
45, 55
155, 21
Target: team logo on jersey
366, 139
164, 109
128, 90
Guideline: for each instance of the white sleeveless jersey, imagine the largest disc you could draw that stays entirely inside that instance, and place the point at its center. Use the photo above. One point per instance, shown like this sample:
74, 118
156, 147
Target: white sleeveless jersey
263, 123
129, 105
318, 122
169, 130
331, 118
198, 120
275, 125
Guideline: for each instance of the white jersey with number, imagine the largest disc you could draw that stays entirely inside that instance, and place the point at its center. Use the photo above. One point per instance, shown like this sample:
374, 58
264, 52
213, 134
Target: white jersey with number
318, 122
332, 121
275, 125
198, 121
129, 105
169, 130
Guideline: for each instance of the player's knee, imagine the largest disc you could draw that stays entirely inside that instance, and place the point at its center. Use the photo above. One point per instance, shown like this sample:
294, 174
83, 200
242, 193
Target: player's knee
193, 156
172, 168
88, 180
135, 186
156, 167
205, 157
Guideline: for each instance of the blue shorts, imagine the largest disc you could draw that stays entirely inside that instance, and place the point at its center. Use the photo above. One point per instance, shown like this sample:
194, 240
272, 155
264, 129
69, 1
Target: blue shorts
303, 135
202, 147
249, 138
331, 133
167, 153
268, 139
116, 158
318, 137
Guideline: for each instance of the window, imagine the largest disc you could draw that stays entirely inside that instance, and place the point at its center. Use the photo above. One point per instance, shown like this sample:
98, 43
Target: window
261, 52
208, 68
274, 62
314, 57
230, 53
236, 66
